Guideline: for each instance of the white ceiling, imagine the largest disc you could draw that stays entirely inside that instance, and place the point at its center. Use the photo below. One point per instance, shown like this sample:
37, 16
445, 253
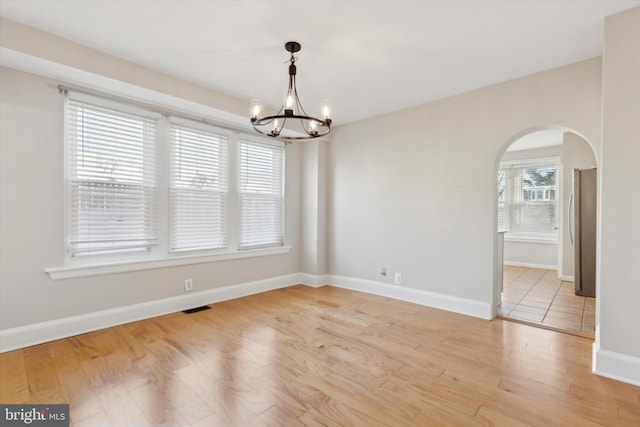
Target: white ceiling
366, 57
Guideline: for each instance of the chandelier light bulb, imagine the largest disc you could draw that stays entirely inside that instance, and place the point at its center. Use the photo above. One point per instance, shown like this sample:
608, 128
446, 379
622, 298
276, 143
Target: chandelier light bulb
289, 102
326, 111
255, 109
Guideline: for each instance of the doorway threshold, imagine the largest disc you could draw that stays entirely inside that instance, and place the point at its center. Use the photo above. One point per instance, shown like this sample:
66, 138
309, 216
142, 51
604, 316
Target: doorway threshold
582, 334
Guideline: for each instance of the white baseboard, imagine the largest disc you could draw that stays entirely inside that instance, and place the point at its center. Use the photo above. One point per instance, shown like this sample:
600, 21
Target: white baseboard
530, 265
431, 299
617, 366
23, 336
313, 280
567, 278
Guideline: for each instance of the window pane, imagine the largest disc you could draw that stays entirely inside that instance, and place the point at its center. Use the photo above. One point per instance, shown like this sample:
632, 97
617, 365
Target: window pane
112, 183
198, 190
261, 194
527, 202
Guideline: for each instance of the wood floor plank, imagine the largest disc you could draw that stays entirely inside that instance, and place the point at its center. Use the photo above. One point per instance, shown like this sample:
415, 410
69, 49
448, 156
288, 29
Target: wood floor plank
83, 402
325, 356
166, 406
495, 417
14, 387
295, 396
278, 417
342, 399
44, 385
121, 408
434, 416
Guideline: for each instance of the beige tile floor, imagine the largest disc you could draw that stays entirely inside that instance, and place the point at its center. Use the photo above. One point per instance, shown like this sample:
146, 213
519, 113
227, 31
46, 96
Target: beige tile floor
537, 296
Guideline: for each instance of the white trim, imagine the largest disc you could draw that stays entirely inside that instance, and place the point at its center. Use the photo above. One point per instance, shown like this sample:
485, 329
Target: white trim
530, 265
37, 333
314, 280
465, 306
523, 163
540, 241
57, 273
617, 366
567, 278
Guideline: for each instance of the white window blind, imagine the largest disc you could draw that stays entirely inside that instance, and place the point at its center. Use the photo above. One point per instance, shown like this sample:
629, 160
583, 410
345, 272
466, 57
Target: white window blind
198, 188
261, 193
111, 178
528, 201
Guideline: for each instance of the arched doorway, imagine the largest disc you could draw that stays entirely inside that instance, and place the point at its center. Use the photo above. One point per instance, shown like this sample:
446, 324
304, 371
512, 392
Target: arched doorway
535, 181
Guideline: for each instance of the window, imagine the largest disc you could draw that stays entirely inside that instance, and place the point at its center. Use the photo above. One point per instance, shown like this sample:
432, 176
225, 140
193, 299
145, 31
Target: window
527, 200
141, 182
111, 178
199, 195
261, 193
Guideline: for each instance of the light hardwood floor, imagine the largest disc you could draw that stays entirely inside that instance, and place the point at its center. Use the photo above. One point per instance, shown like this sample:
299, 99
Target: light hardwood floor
320, 357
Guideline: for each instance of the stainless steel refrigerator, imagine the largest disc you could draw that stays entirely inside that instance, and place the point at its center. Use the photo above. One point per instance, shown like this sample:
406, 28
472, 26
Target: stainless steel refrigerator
582, 214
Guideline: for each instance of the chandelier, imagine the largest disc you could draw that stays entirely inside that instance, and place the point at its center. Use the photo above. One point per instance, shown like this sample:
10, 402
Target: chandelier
291, 111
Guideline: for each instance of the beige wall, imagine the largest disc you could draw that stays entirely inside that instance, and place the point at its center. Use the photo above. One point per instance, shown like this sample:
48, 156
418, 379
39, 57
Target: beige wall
415, 191
314, 202
619, 277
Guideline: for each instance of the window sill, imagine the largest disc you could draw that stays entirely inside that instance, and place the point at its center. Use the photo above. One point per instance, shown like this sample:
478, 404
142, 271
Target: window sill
531, 240
71, 272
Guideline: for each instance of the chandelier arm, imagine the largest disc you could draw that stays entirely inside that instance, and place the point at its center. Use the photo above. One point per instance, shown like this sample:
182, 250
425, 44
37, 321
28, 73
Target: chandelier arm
261, 121
309, 130
292, 138
298, 103
307, 120
269, 119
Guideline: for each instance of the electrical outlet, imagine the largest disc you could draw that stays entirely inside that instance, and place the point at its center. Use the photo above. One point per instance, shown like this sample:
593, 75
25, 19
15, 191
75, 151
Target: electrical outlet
188, 285
398, 279
383, 271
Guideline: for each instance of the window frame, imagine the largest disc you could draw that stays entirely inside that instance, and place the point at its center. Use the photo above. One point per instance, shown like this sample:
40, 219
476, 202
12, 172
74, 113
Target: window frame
224, 165
276, 194
531, 237
160, 255
150, 179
